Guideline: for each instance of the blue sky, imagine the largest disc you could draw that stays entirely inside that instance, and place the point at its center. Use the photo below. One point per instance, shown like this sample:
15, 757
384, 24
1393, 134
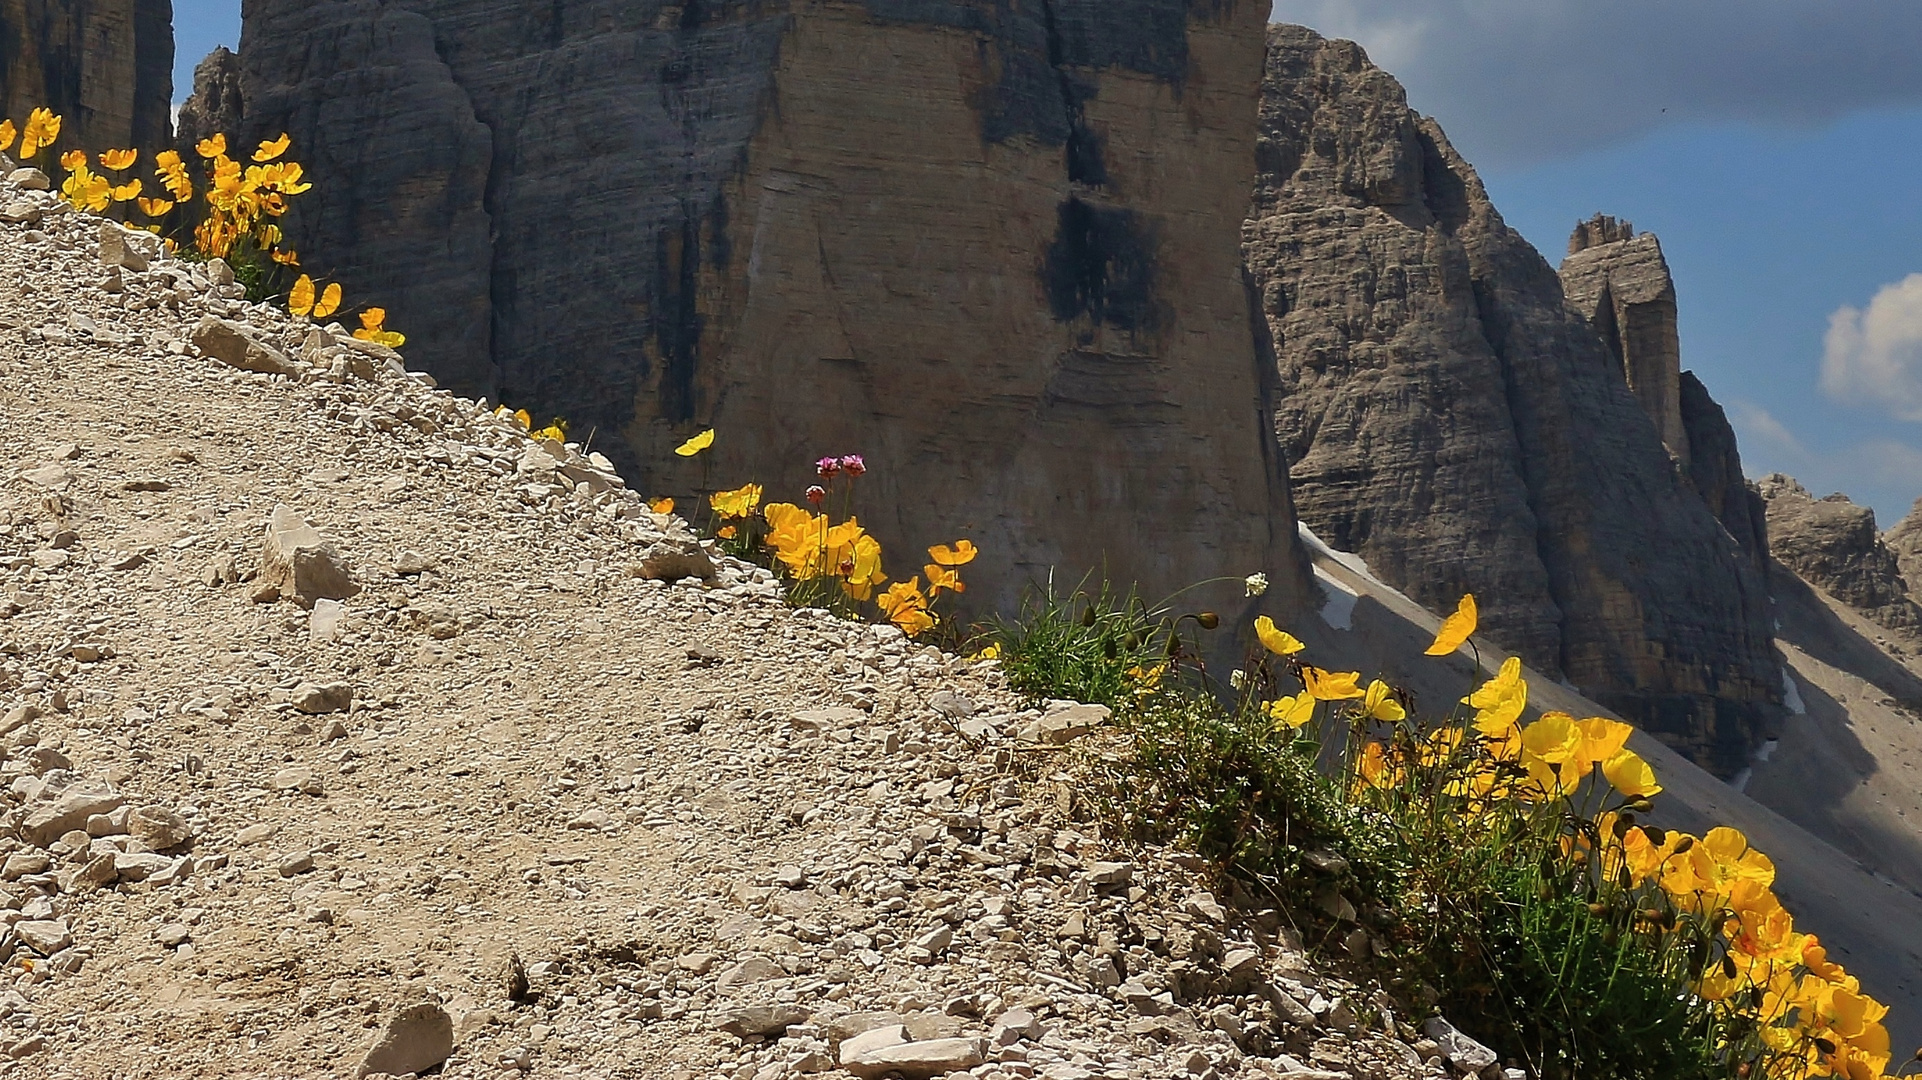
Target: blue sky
199, 25
1774, 145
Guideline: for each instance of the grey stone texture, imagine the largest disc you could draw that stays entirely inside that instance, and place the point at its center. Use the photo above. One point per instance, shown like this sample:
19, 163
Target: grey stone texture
1620, 283
1832, 543
1905, 540
215, 106
106, 66
991, 247
1715, 468
1448, 416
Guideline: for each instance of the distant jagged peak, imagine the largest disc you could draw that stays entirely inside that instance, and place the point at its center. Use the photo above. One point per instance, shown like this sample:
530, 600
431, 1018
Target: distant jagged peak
1832, 543
1599, 230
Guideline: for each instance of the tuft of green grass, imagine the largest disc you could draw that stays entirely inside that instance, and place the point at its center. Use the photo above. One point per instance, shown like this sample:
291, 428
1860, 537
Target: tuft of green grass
1080, 646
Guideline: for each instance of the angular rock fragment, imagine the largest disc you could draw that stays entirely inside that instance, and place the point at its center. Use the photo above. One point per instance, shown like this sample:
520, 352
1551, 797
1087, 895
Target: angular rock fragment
418, 1038
300, 565
235, 345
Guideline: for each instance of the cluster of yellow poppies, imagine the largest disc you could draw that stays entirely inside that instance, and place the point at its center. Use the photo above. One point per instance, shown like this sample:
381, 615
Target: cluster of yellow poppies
1702, 906
812, 548
243, 204
1712, 897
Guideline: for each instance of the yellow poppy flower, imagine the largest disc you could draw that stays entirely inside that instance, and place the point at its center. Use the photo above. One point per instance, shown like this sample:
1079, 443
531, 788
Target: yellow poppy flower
1380, 704
373, 328
1332, 685
738, 503
1276, 641
329, 301
1627, 773
1456, 628
156, 207
961, 554
118, 159
696, 444
268, 151
1374, 768
128, 191
213, 147
73, 159
87, 191
7, 135
42, 129
1291, 712
283, 256
300, 298
661, 506
1601, 739
943, 578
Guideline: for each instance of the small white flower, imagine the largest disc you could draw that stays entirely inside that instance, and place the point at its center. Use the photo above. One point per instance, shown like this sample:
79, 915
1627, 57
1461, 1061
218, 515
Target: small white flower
1257, 584
1236, 678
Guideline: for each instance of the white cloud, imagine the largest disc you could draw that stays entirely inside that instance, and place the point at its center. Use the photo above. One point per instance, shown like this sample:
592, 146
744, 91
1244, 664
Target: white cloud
1758, 429
1874, 357
1521, 81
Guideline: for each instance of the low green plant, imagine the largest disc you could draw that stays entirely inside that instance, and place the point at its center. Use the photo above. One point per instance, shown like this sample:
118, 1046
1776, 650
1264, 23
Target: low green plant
1499, 870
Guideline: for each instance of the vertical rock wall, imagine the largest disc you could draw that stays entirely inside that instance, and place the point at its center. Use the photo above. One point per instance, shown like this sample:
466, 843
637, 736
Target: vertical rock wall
1715, 468
993, 246
1620, 283
1450, 418
105, 65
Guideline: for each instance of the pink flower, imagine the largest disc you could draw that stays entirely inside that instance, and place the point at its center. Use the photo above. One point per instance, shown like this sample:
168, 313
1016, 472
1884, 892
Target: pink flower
816, 494
853, 465
828, 466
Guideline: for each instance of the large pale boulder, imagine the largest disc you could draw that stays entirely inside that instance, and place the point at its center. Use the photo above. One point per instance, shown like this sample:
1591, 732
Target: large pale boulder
237, 345
301, 564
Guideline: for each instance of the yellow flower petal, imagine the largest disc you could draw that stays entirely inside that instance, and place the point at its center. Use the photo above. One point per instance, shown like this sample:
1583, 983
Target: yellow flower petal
1379, 702
212, 148
961, 554
1456, 628
1292, 712
119, 159
1276, 641
300, 298
270, 150
7, 134
662, 506
1332, 685
329, 301
697, 444
738, 503
1630, 775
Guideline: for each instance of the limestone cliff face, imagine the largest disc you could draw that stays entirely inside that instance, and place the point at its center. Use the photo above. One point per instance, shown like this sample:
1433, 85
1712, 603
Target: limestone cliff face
1450, 418
1620, 283
1832, 544
991, 246
105, 65
1715, 468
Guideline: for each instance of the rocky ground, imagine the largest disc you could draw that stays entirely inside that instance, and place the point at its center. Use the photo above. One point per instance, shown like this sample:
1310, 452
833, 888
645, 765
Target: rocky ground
338, 719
